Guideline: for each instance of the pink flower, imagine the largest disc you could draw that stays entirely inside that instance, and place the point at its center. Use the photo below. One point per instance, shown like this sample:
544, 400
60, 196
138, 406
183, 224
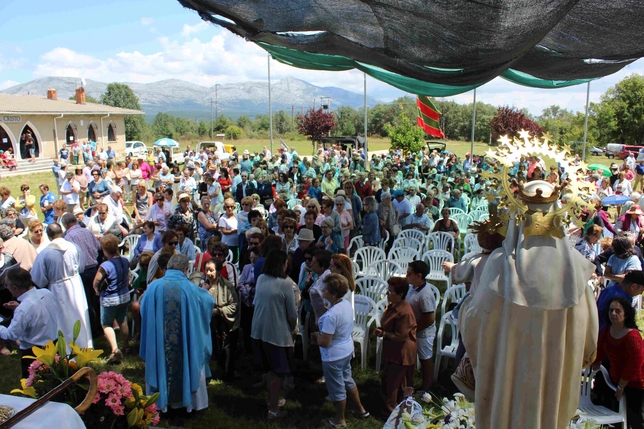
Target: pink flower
155, 420
113, 400
118, 411
97, 398
151, 409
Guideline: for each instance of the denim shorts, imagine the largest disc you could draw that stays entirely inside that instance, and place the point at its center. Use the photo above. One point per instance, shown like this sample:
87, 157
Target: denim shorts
110, 314
32, 151
337, 375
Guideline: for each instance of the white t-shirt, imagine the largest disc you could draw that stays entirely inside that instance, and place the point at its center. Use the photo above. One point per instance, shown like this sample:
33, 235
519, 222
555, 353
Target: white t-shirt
229, 223
73, 197
337, 321
422, 301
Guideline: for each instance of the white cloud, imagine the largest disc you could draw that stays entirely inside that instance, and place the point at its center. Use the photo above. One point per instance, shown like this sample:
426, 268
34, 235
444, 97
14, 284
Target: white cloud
8, 84
194, 29
146, 20
226, 58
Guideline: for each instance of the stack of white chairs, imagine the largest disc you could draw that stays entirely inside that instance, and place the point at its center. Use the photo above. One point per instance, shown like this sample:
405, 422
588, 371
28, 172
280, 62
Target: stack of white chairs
477, 213
403, 256
373, 287
365, 315
365, 257
130, 242
434, 259
464, 221
454, 211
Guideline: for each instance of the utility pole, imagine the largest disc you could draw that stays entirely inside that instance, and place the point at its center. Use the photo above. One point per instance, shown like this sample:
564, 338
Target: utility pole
216, 101
292, 115
473, 123
583, 154
211, 120
366, 149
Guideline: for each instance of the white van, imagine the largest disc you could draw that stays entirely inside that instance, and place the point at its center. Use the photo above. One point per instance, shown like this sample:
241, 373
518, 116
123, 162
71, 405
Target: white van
613, 150
218, 147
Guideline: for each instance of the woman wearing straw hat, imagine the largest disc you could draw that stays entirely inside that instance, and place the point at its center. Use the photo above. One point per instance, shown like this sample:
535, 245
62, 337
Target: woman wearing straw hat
631, 221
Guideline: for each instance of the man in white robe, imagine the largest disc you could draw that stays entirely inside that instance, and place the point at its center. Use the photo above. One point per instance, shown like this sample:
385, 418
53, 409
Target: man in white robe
529, 329
58, 268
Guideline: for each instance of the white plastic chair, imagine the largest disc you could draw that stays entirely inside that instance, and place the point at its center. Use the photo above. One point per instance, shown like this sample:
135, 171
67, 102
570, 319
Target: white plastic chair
602, 415
384, 241
464, 221
435, 259
453, 294
292, 203
403, 256
365, 315
454, 211
373, 287
130, 241
366, 256
477, 213
441, 241
445, 351
303, 332
356, 242
384, 270
471, 243
466, 200
484, 217
230, 256
412, 233
380, 310
408, 242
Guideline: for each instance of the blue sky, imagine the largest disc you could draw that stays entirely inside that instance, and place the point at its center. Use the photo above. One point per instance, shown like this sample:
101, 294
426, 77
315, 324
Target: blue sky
151, 40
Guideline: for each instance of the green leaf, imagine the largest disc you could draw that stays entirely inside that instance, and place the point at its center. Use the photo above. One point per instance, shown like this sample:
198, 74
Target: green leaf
77, 327
152, 399
132, 417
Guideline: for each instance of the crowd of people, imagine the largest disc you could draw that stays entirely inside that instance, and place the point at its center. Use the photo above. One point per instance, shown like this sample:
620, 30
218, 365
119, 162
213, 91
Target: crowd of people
239, 254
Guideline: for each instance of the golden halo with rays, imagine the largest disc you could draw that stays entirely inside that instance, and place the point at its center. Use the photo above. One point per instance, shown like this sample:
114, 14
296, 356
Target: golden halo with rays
502, 159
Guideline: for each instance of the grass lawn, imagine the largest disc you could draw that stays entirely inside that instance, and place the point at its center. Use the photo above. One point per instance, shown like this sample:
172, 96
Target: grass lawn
240, 405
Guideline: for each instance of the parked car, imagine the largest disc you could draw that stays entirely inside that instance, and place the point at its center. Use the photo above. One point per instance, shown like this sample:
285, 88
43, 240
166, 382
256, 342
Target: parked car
135, 148
222, 150
613, 149
173, 154
630, 149
597, 150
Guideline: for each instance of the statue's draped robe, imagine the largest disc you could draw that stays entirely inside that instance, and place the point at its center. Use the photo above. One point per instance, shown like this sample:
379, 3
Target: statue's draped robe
175, 341
529, 329
58, 267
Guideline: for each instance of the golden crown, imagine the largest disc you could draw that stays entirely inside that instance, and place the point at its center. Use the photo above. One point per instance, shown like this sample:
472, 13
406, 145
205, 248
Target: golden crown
513, 200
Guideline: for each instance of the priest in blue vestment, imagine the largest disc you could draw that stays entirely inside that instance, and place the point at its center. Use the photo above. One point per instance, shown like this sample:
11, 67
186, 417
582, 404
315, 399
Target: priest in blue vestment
175, 338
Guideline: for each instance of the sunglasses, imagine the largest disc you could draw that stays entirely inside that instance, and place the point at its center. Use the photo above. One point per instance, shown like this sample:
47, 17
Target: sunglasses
230, 207
310, 207
255, 243
289, 227
308, 259
218, 255
102, 212
245, 204
173, 243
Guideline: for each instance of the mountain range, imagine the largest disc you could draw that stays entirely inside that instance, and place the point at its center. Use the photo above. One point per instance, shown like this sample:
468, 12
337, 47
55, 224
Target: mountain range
186, 99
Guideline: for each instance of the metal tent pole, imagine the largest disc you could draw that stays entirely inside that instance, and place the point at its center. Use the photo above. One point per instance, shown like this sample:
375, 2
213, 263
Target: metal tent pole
366, 148
270, 104
583, 154
473, 123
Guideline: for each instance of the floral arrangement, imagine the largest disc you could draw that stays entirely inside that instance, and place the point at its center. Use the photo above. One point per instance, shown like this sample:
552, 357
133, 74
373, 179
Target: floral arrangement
118, 402
445, 413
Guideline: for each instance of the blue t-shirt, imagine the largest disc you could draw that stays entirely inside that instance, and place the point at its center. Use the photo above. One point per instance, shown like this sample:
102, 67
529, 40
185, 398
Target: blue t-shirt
47, 199
604, 298
64, 153
338, 322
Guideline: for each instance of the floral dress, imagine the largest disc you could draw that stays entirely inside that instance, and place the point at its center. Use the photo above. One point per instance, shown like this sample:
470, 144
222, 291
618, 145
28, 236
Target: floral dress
187, 219
205, 234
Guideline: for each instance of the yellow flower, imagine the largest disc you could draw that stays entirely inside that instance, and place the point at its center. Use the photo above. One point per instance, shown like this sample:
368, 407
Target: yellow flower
46, 355
83, 356
137, 388
129, 403
27, 391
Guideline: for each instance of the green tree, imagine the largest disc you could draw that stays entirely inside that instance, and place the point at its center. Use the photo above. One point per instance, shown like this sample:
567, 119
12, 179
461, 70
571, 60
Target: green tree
557, 122
221, 123
346, 118
245, 122
625, 102
121, 95
234, 132
163, 126
281, 122
407, 135
203, 129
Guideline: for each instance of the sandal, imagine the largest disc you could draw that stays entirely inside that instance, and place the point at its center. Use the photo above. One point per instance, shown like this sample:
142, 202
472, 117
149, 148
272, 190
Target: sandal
329, 423
280, 403
357, 414
274, 415
115, 358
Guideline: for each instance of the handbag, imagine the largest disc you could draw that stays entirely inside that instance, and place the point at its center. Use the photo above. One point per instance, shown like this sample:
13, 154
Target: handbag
396, 229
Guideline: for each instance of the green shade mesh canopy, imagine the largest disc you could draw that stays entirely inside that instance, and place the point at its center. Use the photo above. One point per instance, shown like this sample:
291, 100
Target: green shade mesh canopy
445, 47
